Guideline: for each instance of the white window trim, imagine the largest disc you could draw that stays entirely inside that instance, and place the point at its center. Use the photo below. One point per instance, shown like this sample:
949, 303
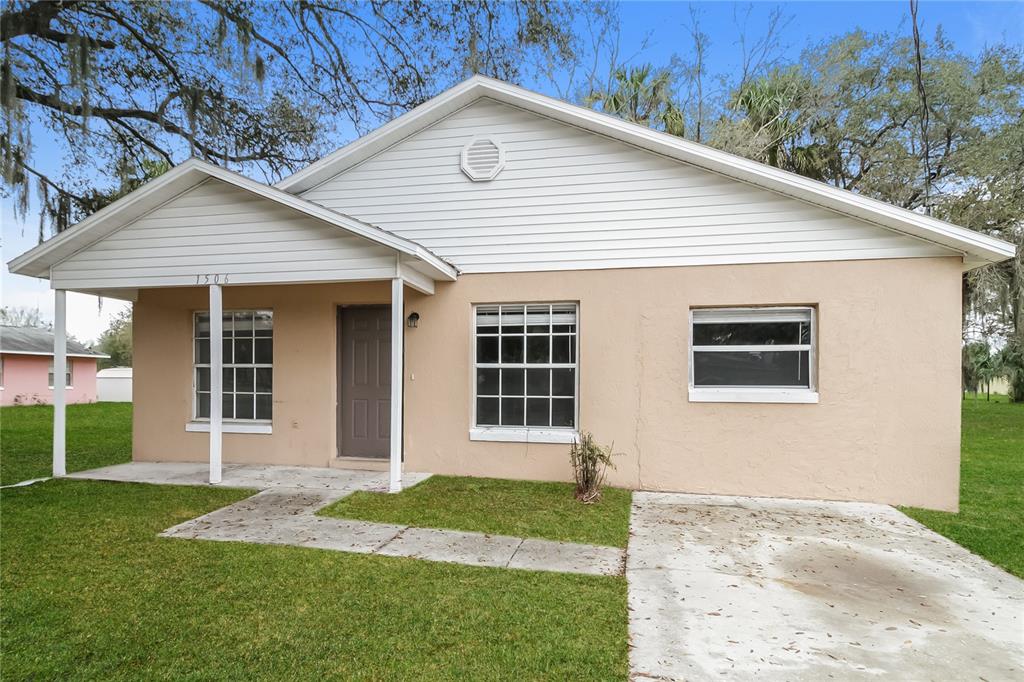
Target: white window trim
525, 434
69, 375
228, 426
753, 395
758, 394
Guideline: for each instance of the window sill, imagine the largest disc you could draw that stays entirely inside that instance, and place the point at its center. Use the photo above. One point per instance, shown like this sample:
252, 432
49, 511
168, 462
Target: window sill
512, 435
232, 427
752, 395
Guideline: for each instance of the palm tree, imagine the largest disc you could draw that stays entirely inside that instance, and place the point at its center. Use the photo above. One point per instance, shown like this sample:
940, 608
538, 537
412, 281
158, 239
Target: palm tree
1011, 364
768, 105
642, 96
771, 108
975, 356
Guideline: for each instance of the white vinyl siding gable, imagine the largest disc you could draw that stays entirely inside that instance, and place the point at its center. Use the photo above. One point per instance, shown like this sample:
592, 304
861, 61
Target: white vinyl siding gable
219, 229
568, 199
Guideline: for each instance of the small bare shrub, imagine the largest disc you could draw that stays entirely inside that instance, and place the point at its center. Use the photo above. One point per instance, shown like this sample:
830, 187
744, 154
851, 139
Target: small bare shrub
590, 463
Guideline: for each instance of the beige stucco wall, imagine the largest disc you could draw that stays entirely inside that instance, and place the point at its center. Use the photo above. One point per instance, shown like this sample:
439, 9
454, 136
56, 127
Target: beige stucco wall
887, 427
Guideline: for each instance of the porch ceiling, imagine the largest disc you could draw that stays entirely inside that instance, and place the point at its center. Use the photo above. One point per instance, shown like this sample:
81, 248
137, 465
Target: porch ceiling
199, 223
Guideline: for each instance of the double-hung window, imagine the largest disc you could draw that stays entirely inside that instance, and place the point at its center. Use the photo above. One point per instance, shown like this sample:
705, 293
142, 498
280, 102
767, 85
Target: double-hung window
526, 372
68, 374
248, 361
753, 355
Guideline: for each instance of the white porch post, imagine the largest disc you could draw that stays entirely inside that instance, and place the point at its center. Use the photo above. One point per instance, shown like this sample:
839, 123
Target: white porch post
60, 365
397, 375
216, 380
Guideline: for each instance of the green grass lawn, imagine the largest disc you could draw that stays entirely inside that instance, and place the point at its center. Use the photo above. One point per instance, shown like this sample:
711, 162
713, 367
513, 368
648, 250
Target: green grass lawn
497, 506
991, 517
90, 592
99, 434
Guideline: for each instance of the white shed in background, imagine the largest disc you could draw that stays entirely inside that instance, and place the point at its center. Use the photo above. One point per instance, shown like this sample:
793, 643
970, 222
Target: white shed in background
114, 385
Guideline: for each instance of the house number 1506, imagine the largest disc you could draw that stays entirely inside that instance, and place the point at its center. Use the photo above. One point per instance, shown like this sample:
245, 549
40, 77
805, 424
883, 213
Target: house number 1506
211, 279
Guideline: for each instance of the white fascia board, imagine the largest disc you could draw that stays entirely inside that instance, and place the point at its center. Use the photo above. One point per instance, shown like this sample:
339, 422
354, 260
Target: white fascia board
415, 278
441, 269
37, 261
977, 248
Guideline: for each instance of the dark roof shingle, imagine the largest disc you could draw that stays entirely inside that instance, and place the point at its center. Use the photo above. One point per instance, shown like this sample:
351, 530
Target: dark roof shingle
37, 342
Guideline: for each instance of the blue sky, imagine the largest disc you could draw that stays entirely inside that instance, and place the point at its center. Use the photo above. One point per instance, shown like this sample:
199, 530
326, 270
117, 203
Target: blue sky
970, 26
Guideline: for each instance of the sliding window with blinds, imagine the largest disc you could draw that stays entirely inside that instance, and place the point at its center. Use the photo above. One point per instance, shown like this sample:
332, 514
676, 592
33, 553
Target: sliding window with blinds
758, 348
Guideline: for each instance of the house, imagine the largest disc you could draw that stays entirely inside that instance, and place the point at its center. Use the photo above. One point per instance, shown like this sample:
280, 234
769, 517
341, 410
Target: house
464, 289
26, 368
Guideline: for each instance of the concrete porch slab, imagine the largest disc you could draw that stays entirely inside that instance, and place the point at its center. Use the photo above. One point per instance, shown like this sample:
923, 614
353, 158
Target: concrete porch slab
260, 477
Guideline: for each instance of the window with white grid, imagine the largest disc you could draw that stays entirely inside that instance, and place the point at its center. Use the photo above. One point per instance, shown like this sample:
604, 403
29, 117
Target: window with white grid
248, 362
526, 365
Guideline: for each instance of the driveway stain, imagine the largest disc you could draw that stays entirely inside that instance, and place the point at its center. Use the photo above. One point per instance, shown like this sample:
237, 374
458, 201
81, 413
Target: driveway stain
744, 588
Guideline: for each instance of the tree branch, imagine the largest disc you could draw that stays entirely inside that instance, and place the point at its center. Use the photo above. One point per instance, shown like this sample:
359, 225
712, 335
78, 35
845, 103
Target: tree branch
51, 101
30, 20
35, 20
51, 183
241, 23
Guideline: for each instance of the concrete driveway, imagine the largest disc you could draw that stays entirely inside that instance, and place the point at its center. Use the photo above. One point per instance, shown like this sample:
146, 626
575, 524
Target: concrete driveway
738, 588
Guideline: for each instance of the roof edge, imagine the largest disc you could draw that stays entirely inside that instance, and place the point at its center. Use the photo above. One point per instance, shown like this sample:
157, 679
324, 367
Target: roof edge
32, 264
983, 248
22, 264
434, 109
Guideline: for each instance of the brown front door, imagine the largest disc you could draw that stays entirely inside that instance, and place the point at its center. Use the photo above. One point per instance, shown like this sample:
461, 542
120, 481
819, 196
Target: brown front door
364, 381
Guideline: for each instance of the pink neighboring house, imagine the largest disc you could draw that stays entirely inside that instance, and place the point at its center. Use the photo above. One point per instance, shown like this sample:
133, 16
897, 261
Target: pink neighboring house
26, 368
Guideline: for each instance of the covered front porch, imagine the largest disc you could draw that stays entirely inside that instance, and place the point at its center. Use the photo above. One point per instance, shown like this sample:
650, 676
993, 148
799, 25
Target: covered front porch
201, 248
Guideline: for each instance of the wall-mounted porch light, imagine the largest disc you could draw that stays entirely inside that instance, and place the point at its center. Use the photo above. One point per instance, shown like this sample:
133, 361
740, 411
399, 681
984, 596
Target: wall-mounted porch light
414, 320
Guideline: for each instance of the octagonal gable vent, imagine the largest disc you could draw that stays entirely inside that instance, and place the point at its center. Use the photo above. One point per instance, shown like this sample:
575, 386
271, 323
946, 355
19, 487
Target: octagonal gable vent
482, 159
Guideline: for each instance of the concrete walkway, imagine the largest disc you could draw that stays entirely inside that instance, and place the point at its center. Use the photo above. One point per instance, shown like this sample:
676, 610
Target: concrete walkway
744, 588
284, 513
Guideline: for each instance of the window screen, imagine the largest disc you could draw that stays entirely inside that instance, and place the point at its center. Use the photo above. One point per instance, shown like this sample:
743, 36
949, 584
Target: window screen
753, 347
